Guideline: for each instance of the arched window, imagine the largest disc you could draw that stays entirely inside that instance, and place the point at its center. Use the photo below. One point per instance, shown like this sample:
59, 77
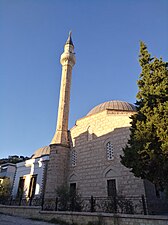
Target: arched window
109, 151
73, 158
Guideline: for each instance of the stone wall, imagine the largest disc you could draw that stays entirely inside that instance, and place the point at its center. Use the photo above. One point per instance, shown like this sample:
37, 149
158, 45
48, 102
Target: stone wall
84, 218
57, 169
93, 169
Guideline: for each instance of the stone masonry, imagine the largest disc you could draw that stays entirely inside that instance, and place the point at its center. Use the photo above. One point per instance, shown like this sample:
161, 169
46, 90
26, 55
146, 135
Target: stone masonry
59, 147
88, 157
68, 61
93, 169
57, 169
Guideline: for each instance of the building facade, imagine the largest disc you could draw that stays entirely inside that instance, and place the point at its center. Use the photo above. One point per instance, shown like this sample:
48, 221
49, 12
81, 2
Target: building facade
97, 142
86, 157
30, 176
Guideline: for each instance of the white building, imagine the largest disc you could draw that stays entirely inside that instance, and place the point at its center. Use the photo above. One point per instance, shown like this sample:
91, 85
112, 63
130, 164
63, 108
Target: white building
30, 175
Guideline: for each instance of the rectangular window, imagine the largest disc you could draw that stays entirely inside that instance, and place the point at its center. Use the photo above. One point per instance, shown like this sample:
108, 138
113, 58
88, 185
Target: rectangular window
32, 186
111, 188
21, 187
73, 188
157, 191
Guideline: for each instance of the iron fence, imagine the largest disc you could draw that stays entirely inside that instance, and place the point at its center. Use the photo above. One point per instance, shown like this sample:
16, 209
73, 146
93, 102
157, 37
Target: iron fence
117, 204
21, 201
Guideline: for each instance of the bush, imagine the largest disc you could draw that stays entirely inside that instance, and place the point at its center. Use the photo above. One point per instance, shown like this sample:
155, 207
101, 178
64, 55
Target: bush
68, 200
5, 190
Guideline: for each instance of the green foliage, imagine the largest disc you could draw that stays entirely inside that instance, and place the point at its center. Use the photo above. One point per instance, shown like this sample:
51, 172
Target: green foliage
147, 151
13, 159
68, 200
63, 195
119, 204
5, 189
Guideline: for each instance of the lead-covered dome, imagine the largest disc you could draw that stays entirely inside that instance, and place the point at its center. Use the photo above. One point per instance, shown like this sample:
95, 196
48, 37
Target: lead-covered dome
41, 152
113, 105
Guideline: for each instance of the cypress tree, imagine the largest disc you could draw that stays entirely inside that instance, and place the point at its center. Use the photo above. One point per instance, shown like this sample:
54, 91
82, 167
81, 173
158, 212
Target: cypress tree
146, 153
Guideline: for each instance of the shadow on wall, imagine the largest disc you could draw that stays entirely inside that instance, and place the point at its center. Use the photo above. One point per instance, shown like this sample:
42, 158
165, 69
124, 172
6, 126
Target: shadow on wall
84, 138
88, 140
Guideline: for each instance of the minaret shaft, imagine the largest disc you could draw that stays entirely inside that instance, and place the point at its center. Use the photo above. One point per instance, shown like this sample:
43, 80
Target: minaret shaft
63, 112
63, 109
57, 171
67, 60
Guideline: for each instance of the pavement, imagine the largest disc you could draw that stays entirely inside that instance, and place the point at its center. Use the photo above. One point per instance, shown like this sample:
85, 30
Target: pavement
15, 220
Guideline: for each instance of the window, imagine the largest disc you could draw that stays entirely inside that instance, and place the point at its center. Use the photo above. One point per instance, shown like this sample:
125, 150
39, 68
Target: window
32, 186
72, 188
109, 150
157, 191
73, 158
21, 187
111, 188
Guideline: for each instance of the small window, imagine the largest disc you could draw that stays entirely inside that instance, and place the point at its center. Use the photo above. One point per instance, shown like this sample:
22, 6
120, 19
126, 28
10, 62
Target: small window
109, 150
111, 188
72, 188
73, 158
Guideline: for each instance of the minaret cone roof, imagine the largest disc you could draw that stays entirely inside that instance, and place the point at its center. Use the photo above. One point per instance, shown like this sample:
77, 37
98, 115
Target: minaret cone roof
69, 40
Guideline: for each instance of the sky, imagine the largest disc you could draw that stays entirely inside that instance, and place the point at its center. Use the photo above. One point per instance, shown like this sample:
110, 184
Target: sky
106, 35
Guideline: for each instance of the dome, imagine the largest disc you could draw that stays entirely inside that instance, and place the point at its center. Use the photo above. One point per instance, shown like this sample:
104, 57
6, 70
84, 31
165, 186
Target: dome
113, 105
41, 151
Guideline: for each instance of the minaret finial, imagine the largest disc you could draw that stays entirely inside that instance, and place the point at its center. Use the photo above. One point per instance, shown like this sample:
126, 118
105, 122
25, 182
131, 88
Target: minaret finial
69, 40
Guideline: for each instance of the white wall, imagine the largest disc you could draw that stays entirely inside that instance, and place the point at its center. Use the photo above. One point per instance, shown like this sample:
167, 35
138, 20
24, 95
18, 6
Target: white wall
27, 169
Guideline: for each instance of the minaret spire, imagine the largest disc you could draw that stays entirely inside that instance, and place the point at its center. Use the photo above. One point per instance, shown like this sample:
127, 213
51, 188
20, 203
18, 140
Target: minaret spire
68, 61
69, 40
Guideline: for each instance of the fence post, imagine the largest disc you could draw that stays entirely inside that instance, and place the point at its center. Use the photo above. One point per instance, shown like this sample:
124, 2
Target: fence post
144, 205
115, 204
11, 198
20, 200
42, 202
92, 202
30, 201
56, 204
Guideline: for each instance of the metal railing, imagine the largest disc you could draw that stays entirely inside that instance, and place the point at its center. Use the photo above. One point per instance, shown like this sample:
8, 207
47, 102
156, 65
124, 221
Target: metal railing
21, 201
117, 204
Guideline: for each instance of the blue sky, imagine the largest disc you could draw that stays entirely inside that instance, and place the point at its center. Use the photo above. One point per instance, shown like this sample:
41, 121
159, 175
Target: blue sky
106, 35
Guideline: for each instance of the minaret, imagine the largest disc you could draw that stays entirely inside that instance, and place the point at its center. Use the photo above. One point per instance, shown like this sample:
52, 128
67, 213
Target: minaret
59, 146
68, 61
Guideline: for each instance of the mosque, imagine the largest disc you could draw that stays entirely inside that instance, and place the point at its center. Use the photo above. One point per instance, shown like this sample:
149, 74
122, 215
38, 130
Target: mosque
86, 157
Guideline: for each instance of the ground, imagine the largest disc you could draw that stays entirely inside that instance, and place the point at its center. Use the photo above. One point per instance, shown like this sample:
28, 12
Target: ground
14, 220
